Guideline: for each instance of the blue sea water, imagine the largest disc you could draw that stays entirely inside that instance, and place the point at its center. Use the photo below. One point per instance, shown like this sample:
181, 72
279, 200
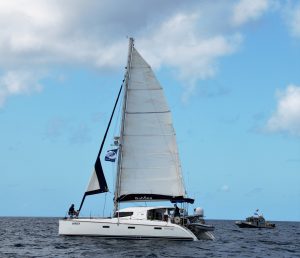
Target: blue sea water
38, 237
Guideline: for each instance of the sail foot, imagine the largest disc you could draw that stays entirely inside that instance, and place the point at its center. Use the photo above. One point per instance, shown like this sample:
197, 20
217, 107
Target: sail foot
154, 197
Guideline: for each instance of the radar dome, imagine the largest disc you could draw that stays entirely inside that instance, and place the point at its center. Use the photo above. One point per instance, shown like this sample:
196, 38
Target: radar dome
199, 211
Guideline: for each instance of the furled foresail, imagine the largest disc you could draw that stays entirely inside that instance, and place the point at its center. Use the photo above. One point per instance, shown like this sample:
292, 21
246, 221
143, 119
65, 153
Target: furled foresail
149, 166
97, 183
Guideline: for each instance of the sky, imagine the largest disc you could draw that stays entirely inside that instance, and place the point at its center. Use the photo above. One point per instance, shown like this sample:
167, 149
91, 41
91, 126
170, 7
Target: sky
230, 73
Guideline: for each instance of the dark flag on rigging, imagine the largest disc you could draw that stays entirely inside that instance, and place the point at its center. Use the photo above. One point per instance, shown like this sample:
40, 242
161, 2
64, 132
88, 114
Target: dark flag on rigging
111, 155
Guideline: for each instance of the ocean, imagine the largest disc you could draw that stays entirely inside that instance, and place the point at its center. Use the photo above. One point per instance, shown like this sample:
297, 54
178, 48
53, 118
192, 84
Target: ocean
38, 237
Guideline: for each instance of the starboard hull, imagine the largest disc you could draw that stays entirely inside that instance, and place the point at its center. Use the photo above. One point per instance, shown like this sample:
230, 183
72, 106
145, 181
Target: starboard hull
127, 229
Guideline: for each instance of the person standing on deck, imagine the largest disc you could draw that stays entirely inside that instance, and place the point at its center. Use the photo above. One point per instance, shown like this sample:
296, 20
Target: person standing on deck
72, 212
176, 211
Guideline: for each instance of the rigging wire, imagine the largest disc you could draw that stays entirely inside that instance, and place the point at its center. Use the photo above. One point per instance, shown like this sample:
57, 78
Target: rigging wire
116, 128
104, 205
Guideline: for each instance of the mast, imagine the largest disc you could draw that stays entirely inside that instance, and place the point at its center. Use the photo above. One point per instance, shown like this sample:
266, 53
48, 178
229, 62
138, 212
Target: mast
127, 77
148, 158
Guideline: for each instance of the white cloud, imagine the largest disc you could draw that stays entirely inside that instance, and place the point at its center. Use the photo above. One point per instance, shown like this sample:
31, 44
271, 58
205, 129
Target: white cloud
286, 118
42, 33
295, 23
292, 16
249, 10
18, 82
176, 44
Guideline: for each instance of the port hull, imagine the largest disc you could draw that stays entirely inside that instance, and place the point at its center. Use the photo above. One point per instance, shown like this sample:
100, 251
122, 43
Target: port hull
129, 229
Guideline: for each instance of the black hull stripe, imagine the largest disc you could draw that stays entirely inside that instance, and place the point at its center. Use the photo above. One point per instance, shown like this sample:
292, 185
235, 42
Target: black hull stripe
137, 237
115, 223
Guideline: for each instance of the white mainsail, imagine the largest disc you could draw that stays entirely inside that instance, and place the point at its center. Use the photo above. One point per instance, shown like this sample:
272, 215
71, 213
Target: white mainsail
149, 165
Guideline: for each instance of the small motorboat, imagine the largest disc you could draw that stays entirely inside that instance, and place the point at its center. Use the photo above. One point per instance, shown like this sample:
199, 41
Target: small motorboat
201, 226
255, 222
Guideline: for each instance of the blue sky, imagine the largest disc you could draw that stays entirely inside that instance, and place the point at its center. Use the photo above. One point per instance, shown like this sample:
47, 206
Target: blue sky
230, 71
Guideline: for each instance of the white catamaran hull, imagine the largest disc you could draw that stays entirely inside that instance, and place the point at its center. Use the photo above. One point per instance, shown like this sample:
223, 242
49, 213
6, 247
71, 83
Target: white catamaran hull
130, 229
147, 162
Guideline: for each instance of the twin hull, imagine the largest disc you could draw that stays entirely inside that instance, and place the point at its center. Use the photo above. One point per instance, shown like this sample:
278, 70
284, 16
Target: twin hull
120, 228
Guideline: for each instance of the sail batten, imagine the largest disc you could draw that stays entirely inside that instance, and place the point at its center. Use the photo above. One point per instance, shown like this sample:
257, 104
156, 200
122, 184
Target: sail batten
149, 157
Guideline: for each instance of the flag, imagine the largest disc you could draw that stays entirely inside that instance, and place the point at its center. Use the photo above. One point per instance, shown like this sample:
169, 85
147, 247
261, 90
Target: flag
111, 155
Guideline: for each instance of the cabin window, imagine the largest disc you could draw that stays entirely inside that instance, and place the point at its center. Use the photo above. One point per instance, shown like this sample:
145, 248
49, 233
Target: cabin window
155, 214
150, 215
157, 228
105, 226
123, 214
131, 227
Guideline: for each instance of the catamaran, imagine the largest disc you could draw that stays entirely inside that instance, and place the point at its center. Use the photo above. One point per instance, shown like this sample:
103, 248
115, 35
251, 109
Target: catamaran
148, 169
